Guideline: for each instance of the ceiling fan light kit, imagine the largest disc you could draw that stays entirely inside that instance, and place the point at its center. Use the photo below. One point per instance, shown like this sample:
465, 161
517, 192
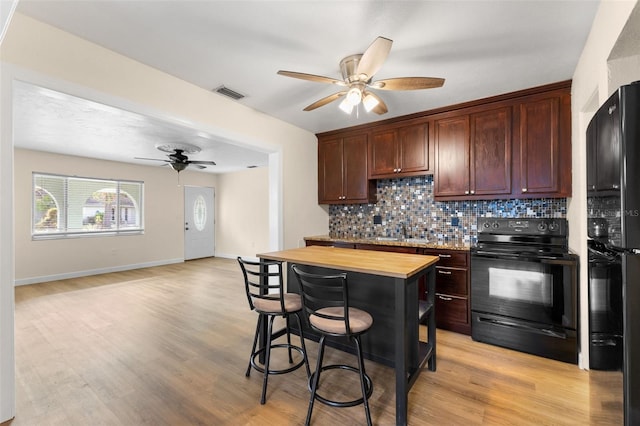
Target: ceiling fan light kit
178, 159
346, 106
370, 102
357, 74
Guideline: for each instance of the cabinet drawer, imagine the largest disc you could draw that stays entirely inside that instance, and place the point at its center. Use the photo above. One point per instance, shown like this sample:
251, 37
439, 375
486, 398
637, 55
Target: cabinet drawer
325, 243
319, 243
340, 244
382, 247
451, 309
451, 281
450, 258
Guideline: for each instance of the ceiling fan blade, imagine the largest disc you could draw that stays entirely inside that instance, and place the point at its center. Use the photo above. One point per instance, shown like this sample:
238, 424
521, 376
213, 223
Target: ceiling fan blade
324, 101
311, 77
373, 58
199, 166
152, 159
210, 163
381, 108
408, 83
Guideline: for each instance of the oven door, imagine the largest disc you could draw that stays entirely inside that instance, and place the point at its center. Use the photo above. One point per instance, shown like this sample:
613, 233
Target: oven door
542, 290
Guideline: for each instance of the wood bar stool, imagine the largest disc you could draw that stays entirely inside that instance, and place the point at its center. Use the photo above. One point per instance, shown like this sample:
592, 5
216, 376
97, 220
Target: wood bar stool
326, 304
265, 293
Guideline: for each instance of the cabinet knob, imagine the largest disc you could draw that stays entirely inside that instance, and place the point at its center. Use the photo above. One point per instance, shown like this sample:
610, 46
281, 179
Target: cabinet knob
524, 189
616, 186
466, 192
473, 192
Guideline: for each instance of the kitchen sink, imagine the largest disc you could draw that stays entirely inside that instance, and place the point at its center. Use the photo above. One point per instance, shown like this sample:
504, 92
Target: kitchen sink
415, 240
403, 240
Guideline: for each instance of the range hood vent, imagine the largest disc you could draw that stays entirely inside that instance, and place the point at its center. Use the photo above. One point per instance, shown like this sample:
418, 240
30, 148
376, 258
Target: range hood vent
225, 91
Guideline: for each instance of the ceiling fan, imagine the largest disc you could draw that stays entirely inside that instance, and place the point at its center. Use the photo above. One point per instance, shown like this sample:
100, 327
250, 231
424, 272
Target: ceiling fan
357, 75
178, 159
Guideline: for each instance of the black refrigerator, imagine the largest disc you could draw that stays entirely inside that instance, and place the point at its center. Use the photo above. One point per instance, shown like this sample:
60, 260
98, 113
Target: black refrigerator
613, 203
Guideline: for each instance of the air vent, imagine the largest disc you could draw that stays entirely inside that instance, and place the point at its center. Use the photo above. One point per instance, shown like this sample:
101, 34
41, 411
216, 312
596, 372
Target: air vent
225, 91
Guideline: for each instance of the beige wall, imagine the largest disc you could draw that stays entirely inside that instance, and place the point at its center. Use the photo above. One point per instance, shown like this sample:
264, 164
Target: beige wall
242, 200
35, 46
592, 85
77, 64
41, 54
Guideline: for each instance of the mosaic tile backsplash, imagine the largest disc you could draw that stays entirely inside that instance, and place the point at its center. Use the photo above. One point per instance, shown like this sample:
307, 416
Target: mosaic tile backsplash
408, 204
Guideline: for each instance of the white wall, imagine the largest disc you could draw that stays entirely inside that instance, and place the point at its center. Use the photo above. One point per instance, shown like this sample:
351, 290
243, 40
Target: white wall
41, 54
591, 87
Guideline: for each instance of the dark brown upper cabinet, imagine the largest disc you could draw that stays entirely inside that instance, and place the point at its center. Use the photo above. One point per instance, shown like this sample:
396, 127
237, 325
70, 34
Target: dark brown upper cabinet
491, 152
452, 153
343, 170
473, 155
543, 145
516, 145
399, 151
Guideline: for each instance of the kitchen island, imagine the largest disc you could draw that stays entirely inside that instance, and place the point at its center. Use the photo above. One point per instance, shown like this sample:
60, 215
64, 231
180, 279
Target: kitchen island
385, 285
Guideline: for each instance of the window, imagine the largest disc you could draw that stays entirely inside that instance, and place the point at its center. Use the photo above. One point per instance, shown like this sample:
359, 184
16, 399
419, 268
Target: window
70, 206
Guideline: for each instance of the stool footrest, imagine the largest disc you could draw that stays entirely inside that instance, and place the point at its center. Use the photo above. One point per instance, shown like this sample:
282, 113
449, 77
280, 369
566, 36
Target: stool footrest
333, 403
299, 364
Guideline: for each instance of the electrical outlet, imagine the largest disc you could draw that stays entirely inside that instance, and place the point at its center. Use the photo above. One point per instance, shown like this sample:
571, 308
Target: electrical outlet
377, 219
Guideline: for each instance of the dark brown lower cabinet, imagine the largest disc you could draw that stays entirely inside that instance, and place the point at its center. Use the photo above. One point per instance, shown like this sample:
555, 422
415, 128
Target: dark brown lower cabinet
453, 309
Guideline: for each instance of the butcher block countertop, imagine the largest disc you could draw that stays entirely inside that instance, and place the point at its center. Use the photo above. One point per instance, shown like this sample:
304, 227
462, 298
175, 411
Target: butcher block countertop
398, 265
382, 241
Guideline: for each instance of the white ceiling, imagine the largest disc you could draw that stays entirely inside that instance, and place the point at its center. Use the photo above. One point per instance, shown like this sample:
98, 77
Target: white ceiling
482, 48
46, 120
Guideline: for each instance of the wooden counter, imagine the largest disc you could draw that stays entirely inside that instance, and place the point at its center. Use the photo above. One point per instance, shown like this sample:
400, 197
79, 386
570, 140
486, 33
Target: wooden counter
386, 264
385, 285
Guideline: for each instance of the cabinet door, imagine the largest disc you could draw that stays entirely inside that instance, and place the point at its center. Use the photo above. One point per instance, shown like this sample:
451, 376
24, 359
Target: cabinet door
491, 152
452, 156
413, 148
330, 167
539, 146
383, 153
355, 175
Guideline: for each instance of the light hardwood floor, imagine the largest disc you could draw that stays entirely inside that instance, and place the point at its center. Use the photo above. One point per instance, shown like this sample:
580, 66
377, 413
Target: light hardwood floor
169, 346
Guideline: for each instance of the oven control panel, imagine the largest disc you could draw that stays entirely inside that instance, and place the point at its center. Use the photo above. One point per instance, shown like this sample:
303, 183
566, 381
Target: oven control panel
526, 226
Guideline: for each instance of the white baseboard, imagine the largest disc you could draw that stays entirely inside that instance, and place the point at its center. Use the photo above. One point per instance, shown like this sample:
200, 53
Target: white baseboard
235, 256
77, 274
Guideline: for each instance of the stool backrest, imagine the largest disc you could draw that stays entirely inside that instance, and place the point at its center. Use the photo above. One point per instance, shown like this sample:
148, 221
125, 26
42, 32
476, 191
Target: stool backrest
324, 291
263, 280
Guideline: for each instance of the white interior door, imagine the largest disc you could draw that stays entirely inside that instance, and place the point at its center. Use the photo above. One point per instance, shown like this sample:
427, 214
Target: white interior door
198, 222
